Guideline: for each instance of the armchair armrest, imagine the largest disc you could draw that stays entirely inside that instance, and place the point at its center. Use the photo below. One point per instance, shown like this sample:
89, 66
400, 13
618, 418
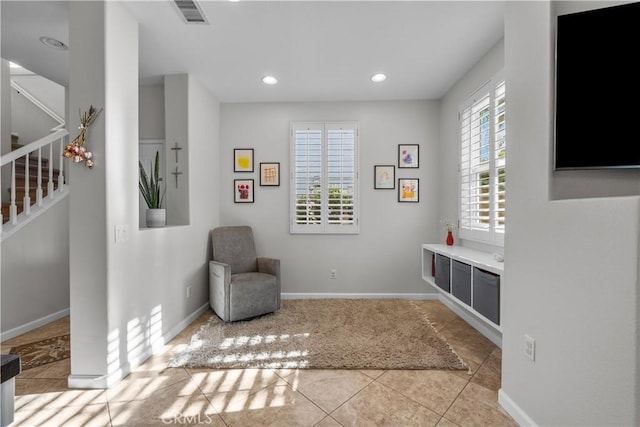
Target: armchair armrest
269, 266
219, 283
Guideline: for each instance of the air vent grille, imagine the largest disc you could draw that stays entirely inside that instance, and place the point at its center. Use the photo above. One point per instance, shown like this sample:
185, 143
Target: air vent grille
190, 11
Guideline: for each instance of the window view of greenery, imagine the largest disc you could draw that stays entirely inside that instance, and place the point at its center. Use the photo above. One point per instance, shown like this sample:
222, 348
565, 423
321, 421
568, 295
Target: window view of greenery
309, 206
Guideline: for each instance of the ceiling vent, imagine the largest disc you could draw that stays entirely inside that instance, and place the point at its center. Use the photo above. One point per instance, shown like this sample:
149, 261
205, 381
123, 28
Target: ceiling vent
190, 12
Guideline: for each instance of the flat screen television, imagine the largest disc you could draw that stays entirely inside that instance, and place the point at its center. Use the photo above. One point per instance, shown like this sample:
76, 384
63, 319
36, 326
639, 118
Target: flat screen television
597, 89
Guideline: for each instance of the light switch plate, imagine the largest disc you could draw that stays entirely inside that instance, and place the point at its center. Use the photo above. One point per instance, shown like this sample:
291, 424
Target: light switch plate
122, 233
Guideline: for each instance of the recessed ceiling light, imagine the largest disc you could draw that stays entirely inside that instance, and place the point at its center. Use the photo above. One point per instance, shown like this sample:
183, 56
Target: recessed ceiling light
377, 78
269, 80
53, 43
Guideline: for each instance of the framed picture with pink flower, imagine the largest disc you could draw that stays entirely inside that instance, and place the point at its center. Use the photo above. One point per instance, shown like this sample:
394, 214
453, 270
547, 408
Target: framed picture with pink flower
408, 155
408, 190
243, 190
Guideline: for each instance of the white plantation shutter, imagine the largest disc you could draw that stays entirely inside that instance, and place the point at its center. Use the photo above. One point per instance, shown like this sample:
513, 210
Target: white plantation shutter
482, 165
307, 181
500, 152
474, 166
324, 178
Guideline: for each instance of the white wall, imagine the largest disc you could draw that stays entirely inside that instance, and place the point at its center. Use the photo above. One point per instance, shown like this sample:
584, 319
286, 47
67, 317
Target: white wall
35, 270
5, 125
176, 107
48, 92
571, 274
5, 88
88, 202
385, 256
28, 121
128, 296
485, 69
151, 112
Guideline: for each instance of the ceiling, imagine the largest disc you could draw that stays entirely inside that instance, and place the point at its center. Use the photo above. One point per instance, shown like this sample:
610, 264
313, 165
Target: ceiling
318, 50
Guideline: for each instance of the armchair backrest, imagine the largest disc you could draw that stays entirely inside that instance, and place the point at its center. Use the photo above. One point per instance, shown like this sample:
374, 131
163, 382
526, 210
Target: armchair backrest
234, 245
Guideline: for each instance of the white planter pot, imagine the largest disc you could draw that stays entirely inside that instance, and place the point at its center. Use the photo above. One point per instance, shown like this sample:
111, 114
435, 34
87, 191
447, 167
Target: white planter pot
156, 217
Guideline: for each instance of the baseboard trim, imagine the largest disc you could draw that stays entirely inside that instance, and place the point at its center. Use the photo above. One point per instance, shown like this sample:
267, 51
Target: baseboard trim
87, 381
34, 324
491, 334
107, 381
180, 326
315, 295
516, 412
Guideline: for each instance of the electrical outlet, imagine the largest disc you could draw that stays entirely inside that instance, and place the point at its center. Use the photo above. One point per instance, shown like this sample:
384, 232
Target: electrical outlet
188, 291
530, 347
333, 273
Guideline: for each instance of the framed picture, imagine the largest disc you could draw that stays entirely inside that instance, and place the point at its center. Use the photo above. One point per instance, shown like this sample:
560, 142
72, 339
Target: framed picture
243, 159
408, 155
384, 177
270, 174
243, 190
408, 189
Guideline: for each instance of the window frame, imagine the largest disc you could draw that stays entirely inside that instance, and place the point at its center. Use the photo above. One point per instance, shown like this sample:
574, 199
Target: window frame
324, 227
496, 167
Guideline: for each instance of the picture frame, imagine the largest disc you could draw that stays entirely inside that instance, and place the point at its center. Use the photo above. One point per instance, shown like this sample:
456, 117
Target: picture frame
408, 156
243, 159
384, 177
270, 174
408, 190
243, 191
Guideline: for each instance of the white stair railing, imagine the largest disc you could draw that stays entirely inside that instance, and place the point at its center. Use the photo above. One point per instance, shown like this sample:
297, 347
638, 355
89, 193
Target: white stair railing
56, 138
22, 91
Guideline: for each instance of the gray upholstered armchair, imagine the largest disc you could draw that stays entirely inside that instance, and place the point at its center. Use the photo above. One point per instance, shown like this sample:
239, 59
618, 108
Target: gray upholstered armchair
241, 284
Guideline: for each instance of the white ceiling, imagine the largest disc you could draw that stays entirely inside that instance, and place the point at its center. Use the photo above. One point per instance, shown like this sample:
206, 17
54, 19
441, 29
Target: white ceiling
318, 50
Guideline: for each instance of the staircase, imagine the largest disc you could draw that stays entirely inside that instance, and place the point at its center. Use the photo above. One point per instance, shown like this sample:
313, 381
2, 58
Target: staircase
20, 188
34, 180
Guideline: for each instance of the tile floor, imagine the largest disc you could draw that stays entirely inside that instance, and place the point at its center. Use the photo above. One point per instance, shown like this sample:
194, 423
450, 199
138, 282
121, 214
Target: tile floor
154, 395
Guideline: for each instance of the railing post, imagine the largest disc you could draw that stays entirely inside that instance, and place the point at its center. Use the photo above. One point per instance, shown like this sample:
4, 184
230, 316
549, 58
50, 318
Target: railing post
13, 209
26, 201
50, 183
39, 187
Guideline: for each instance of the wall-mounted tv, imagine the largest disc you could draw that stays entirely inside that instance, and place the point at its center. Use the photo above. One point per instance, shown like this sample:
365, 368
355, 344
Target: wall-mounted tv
597, 89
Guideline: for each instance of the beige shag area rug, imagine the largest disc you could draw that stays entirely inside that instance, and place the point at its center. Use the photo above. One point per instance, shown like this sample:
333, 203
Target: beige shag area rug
42, 352
324, 334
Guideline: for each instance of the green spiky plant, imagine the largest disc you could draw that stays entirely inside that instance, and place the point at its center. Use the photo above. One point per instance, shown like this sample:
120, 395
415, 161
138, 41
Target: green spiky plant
150, 187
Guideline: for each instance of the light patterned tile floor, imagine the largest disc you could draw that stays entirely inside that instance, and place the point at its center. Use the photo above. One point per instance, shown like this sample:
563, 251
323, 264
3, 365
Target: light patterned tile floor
154, 395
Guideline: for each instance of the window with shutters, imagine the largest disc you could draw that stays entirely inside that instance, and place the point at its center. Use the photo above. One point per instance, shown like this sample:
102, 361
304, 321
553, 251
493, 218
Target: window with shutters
483, 164
324, 178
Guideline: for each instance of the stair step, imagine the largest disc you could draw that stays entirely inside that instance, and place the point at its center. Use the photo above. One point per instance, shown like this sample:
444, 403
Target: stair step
33, 160
33, 170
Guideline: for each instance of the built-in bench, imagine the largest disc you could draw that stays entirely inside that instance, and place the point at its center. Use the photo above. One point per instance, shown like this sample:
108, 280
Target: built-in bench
11, 367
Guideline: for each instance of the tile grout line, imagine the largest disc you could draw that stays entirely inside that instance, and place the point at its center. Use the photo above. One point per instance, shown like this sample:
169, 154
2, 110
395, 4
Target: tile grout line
466, 385
218, 413
373, 380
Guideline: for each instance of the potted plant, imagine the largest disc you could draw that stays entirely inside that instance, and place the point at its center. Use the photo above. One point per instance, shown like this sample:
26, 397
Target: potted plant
153, 195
